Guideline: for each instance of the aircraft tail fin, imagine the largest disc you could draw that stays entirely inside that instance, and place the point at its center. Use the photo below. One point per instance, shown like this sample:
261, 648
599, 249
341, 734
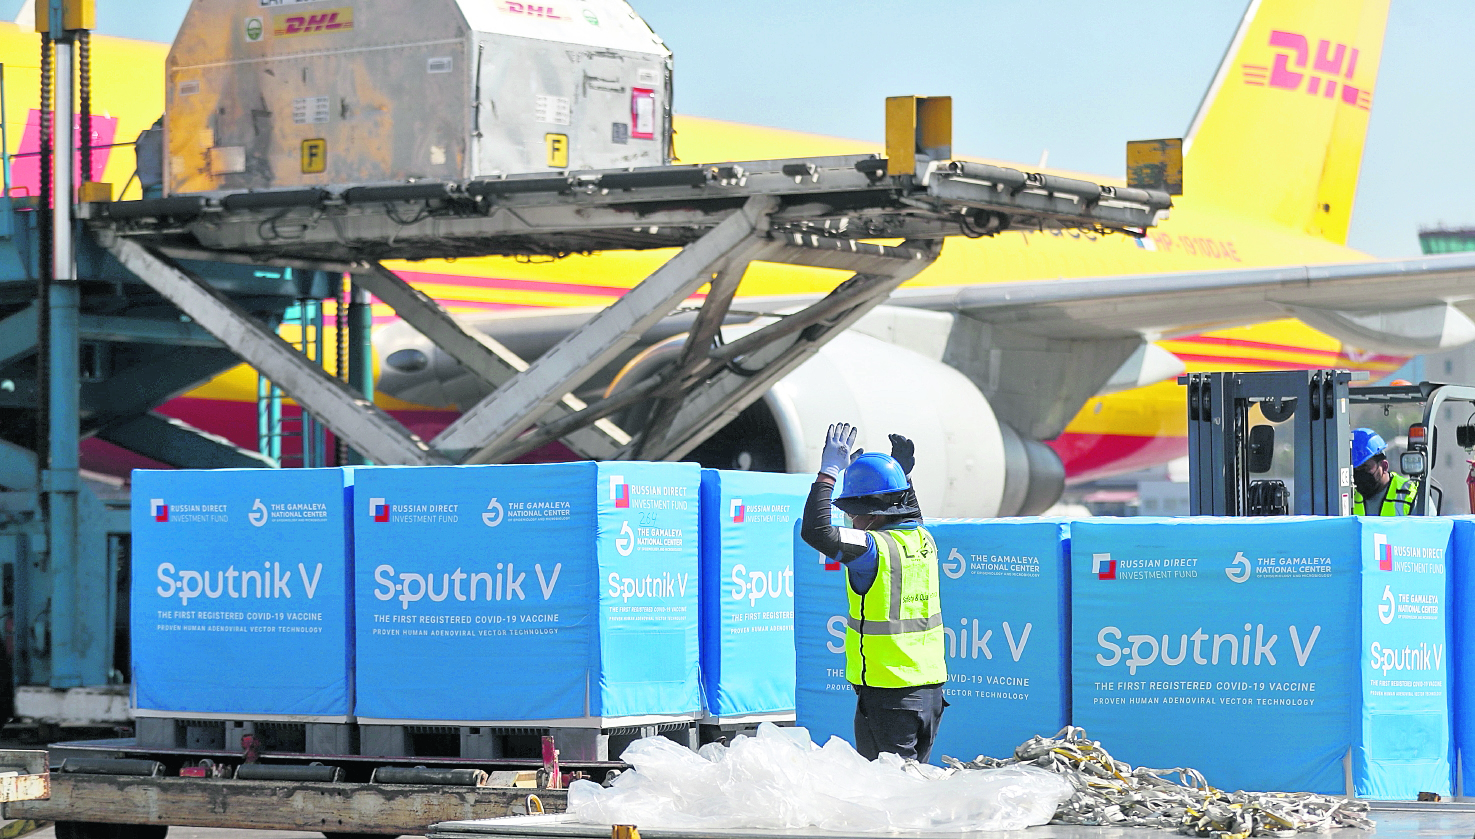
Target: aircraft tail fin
1280, 133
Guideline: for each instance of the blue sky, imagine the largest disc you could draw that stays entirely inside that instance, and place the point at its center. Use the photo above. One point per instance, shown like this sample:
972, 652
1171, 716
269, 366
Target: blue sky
1077, 77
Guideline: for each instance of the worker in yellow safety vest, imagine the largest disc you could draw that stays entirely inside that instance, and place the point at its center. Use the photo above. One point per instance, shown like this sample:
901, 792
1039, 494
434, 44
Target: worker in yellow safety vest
1379, 489
894, 646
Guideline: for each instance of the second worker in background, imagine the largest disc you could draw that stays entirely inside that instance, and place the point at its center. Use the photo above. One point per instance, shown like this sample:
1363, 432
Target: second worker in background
1380, 490
894, 646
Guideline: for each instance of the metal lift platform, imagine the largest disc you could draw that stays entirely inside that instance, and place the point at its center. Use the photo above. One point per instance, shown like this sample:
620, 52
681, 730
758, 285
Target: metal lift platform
834, 198
822, 212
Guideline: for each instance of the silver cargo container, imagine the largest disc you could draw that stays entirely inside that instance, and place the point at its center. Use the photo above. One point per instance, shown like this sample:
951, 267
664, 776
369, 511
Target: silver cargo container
296, 93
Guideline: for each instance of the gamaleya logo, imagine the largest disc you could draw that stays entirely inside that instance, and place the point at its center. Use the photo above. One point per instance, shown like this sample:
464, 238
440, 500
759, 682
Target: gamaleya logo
1329, 75
1239, 570
955, 564
493, 516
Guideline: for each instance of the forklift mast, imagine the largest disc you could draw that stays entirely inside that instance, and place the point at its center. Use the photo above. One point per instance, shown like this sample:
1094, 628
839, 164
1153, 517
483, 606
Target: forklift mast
1225, 451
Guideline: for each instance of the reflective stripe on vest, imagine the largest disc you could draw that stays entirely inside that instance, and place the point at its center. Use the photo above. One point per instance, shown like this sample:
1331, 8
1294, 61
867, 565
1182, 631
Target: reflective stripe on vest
1397, 501
894, 632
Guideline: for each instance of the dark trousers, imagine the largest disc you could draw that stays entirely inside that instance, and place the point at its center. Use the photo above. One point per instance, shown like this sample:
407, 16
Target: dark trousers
902, 721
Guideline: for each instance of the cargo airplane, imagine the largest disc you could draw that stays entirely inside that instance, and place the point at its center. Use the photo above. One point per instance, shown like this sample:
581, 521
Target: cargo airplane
1018, 361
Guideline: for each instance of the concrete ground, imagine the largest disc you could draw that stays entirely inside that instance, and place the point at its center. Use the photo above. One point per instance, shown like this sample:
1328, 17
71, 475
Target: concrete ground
1445, 820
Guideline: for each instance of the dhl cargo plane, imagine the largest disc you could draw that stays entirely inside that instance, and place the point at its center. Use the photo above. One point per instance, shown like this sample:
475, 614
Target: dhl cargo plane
1017, 361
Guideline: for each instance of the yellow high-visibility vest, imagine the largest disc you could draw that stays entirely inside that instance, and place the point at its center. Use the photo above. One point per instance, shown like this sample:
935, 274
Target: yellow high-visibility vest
894, 638
1397, 501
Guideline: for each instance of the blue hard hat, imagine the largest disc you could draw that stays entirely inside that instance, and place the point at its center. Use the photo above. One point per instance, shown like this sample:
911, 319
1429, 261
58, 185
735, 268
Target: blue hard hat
873, 473
1365, 444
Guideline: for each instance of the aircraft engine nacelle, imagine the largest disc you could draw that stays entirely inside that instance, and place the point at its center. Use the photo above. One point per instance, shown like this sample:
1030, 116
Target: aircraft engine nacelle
968, 463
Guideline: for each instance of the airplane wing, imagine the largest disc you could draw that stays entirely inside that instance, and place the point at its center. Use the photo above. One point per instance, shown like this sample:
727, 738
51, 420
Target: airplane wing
1369, 296
1038, 350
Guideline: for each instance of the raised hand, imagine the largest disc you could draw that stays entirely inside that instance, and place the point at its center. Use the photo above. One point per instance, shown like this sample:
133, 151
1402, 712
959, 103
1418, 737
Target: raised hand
904, 452
837, 454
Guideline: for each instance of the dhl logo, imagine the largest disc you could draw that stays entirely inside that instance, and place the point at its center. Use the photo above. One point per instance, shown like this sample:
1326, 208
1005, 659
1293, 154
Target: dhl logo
531, 10
1294, 50
328, 20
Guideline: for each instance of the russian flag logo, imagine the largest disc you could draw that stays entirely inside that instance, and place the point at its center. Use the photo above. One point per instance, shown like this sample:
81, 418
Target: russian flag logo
158, 509
379, 509
1384, 552
1103, 566
619, 492
830, 563
738, 510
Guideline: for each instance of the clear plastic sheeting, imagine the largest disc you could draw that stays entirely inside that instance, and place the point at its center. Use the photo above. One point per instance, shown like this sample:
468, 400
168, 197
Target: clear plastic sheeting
779, 779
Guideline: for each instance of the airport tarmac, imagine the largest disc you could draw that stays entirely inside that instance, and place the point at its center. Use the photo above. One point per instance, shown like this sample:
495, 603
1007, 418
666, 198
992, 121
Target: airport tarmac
1395, 821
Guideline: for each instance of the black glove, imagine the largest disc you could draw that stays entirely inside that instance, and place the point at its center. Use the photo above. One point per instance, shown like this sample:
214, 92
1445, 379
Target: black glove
904, 452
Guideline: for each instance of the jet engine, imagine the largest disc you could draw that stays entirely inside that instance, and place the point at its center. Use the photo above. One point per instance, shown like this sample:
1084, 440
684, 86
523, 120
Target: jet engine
969, 464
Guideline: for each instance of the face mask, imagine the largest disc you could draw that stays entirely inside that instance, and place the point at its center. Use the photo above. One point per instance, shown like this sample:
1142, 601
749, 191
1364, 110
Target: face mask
1366, 482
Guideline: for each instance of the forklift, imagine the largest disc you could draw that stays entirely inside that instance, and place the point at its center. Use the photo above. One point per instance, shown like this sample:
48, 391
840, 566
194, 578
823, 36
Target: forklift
1228, 448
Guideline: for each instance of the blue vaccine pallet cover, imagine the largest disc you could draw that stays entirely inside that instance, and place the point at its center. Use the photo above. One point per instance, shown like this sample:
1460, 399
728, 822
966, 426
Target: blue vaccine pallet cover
1004, 607
748, 590
1265, 651
501, 594
241, 594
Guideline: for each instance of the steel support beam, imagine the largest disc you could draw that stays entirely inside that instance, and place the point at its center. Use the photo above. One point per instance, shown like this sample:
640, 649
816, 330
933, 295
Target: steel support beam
484, 356
78, 655
503, 415
157, 375
704, 330
128, 330
367, 429
18, 335
181, 445
360, 351
840, 254
717, 393
17, 467
608, 406
677, 384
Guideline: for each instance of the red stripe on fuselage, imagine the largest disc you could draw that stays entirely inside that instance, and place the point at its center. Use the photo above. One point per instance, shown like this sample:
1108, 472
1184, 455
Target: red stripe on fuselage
511, 285
1217, 341
236, 421
1091, 456
1262, 363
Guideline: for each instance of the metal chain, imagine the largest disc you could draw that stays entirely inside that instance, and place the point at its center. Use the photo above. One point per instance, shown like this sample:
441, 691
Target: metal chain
84, 101
44, 257
1109, 792
340, 329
